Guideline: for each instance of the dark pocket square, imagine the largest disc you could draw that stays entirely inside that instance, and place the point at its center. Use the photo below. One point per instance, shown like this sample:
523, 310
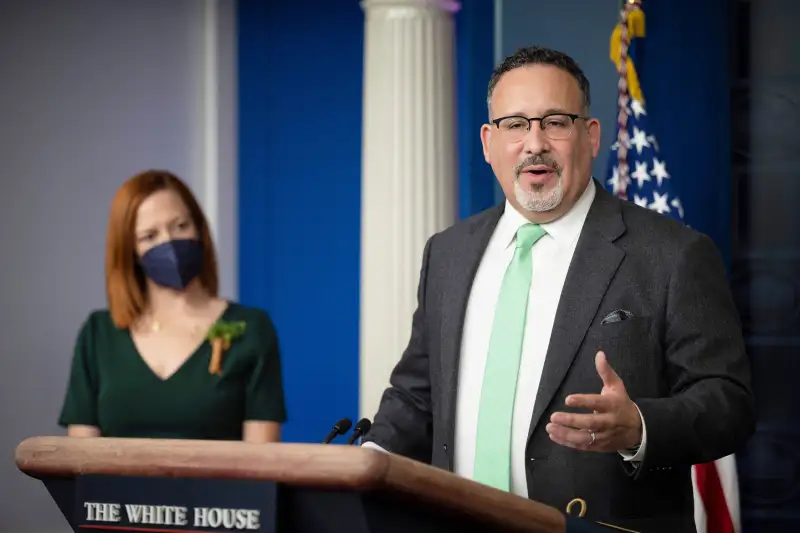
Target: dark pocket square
617, 316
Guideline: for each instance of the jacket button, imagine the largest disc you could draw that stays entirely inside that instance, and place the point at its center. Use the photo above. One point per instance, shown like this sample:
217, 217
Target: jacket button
444, 446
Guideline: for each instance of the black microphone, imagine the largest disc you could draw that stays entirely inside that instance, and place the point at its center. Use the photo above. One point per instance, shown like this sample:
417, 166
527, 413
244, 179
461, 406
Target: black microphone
362, 427
339, 428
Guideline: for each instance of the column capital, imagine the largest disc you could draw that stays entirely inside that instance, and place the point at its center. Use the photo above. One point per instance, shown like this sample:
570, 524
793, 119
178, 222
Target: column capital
449, 6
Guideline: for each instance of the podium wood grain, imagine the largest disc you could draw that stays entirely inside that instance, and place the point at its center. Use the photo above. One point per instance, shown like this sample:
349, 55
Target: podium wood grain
333, 467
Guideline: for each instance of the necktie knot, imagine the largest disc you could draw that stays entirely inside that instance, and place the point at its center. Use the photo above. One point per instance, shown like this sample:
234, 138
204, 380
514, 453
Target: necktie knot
528, 234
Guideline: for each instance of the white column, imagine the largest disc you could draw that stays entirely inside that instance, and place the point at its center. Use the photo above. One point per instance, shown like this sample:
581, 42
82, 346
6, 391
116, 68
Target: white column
409, 184
216, 142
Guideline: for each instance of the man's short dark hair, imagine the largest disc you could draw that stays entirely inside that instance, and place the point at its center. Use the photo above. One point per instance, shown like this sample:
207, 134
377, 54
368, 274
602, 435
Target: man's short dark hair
538, 55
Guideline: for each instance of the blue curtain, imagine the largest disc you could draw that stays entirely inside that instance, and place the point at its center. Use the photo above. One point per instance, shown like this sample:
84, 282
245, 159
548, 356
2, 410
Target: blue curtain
683, 65
300, 76
474, 64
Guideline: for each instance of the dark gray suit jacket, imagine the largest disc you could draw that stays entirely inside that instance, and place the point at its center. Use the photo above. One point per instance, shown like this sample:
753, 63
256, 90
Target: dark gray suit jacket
682, 359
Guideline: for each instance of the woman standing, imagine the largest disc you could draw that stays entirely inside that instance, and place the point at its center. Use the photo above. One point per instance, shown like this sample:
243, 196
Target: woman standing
169, 358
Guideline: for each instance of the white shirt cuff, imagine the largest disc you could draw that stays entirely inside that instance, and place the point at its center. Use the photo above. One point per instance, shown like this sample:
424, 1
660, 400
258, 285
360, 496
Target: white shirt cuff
634, 455
373, 446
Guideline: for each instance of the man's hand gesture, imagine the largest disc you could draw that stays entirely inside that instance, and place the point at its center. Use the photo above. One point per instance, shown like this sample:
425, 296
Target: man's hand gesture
614, 423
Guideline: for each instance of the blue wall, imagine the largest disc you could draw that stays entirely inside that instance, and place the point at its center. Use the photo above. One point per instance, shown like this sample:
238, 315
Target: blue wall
583, 30
685, 76
300, 75
474, 65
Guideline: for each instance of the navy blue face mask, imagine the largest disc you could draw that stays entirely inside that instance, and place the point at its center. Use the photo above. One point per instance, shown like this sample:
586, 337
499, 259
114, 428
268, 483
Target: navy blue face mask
174, 263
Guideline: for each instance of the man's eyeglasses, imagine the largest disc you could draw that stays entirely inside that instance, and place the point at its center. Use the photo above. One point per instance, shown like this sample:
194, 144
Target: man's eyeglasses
557, 126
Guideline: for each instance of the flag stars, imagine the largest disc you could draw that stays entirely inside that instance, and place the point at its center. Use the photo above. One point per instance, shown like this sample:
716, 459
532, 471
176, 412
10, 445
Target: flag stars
640, 200
660, 203
640, 175
626, 143
676, 203
652, 139
659, 170
614, 181
636, 158
637, 108
639, 140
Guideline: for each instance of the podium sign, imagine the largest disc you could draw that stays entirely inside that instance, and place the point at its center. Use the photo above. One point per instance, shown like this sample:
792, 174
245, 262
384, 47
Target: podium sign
162, 486
159, 505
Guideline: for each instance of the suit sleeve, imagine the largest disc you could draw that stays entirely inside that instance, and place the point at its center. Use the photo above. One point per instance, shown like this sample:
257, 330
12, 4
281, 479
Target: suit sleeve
710, 410
403, 423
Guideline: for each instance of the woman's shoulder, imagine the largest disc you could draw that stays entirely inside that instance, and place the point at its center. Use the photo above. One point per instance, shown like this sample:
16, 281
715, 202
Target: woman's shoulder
256, 319
96, 333
97, 320
238, 311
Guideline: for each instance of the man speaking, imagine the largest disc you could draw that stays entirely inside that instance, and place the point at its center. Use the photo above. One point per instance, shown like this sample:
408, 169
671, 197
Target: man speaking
568, 344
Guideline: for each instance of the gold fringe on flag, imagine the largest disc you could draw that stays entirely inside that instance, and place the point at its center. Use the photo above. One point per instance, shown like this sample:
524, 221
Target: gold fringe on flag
635, 29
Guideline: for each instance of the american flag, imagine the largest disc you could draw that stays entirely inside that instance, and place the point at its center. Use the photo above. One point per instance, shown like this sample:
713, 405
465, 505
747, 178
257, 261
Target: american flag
638, 172
648, 182
636, 169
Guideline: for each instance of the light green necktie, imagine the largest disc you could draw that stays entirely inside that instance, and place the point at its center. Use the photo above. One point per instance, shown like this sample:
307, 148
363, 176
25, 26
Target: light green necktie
493, 445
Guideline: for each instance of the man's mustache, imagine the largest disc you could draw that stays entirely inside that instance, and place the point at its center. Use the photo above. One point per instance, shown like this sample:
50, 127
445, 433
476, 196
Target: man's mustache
537, 160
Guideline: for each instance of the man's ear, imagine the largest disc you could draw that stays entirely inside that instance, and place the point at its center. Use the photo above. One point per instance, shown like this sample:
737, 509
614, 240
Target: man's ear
486, 141
593, 126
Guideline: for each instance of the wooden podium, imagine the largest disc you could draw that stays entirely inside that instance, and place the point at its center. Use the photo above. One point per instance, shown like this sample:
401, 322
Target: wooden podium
157, 486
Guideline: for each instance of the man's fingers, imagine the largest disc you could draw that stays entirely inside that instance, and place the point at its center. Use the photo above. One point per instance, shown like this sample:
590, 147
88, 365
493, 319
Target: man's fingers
606, 373
573, 438
592, 402
595, 422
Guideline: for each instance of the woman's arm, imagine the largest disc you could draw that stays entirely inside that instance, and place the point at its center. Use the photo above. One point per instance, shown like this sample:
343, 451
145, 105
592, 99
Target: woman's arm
79, 411
76, 430
265, 409
260, 432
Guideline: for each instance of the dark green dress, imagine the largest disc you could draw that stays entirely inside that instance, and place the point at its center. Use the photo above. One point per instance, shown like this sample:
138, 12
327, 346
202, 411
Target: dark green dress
111, 386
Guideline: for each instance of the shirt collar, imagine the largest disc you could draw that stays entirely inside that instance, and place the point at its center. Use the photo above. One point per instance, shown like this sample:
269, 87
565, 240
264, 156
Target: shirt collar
564, 229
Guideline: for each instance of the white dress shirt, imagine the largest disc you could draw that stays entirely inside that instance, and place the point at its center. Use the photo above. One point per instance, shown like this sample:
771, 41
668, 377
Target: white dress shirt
551, 257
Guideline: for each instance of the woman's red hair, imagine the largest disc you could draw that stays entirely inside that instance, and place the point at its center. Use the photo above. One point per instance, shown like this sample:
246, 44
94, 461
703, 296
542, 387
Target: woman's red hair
125, 283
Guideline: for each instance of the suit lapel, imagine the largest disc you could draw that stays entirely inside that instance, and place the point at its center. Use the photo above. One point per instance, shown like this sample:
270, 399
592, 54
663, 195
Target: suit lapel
593, 266
465, 260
